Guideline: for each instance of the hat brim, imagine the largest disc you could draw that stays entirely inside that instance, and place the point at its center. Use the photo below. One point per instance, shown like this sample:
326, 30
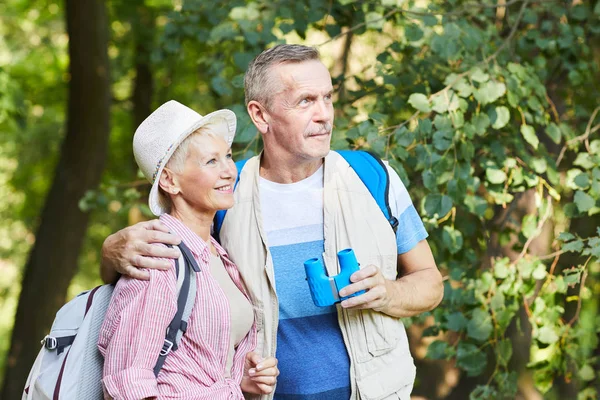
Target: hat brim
223, 123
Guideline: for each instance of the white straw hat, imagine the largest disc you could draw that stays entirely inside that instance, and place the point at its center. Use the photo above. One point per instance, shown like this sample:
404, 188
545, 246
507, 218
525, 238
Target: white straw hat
156, 139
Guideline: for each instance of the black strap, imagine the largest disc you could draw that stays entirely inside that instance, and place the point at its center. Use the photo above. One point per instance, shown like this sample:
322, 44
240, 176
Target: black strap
58, 343
170, 343
189, 258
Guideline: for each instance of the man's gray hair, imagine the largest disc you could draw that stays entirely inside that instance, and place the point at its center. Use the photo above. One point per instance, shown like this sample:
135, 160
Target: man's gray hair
258, 85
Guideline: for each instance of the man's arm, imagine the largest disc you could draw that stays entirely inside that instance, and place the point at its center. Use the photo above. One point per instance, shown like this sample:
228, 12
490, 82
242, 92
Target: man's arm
419, 286
131, 248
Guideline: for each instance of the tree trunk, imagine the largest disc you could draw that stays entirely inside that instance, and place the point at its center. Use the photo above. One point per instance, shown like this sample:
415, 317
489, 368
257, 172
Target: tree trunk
53, 260
143, 89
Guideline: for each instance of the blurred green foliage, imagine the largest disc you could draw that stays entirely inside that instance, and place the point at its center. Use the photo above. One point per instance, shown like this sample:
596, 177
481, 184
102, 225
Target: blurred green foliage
480, 107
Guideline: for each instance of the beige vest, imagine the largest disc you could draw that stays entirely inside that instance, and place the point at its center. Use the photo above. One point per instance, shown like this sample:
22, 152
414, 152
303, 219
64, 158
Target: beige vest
381, 364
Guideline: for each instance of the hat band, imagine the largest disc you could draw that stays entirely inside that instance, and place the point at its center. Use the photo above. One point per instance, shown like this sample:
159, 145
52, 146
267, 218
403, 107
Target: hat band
160, 161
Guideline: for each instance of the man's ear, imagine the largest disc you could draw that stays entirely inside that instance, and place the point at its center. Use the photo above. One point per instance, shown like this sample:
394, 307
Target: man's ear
259, 115
168, 182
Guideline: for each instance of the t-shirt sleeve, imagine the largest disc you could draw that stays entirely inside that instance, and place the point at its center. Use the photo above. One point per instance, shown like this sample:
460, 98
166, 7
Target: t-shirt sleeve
410, 227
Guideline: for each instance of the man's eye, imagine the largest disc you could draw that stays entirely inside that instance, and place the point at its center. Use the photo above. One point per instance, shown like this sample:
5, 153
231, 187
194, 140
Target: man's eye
328, 97
304, 101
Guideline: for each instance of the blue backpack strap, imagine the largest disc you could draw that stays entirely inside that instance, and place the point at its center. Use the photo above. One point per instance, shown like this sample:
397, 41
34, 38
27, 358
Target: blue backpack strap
220, 215
374, 175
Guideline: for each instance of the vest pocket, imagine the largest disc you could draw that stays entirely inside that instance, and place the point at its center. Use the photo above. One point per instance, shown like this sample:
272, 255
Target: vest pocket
373, 334
382, 332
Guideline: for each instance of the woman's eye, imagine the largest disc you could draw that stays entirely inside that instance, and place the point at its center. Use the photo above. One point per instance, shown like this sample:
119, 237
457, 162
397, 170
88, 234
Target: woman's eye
211, 161
229, 156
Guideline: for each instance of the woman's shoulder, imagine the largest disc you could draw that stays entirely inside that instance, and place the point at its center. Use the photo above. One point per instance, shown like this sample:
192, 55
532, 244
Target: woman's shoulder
166, 278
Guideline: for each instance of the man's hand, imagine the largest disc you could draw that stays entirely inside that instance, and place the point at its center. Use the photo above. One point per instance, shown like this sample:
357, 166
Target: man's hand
132, 248
378, 289
260, 374
418, 288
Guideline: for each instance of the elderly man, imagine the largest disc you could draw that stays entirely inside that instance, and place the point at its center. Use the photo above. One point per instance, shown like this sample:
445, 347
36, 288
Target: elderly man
299, 200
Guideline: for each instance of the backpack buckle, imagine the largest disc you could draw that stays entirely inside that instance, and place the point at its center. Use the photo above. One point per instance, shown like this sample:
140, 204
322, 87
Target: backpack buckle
49, 342
394, 223
166, 349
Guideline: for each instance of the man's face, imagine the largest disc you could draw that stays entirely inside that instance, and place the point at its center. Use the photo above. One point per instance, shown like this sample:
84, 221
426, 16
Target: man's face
301, 112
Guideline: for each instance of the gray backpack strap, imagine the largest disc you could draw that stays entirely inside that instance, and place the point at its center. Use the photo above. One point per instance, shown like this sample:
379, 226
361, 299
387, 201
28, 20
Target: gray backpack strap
186, 268
192, 268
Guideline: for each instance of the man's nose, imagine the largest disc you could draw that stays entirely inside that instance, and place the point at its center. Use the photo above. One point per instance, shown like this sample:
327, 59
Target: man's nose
322, 111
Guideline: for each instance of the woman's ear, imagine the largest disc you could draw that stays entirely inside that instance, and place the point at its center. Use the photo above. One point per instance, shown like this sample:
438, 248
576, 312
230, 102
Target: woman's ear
168, 182
259, 115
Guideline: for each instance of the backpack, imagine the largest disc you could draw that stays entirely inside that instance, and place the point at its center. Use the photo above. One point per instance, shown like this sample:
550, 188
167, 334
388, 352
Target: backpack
69, 365
370, 169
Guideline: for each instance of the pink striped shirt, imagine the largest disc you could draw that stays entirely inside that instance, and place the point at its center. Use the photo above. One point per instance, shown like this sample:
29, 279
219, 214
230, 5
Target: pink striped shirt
133, 333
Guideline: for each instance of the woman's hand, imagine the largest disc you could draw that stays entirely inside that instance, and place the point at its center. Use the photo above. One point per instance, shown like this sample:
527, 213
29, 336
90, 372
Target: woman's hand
260, 374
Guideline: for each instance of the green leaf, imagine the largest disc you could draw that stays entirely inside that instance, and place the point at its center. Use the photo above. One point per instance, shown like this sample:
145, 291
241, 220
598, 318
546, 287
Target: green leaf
547, 335
490, 92
374, 20
479, 76
584, 160
575, 246
221, 85
464, 88
429, 180
504, 350
456, 321
437, 350
566, 236
582, 181
481, 122
587, 373
413, 33
420, 102
447, 101
584, 201
470, 358
539, 272
437, 205
501, 270
442, 140
453, 239
553, 131
476, 205
480, 325
539, 165
495, 176
425, 126
529, 225
250, 12
502, 117
498, 302
529, 135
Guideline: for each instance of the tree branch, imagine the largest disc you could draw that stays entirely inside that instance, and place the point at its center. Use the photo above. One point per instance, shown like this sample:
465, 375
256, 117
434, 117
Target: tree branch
581, 138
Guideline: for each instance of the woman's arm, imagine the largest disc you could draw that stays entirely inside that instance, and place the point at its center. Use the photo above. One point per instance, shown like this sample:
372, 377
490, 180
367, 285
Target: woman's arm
133, 334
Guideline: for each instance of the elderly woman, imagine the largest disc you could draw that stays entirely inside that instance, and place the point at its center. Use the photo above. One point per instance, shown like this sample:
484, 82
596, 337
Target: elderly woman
187, 158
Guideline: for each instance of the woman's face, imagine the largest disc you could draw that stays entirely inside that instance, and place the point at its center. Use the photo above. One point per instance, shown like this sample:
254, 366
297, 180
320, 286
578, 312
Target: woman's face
206, 181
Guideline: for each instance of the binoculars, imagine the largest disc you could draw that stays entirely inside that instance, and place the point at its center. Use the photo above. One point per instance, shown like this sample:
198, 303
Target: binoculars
324, 289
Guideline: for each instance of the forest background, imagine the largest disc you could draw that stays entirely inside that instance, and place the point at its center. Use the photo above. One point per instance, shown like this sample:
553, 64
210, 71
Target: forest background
488, 111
